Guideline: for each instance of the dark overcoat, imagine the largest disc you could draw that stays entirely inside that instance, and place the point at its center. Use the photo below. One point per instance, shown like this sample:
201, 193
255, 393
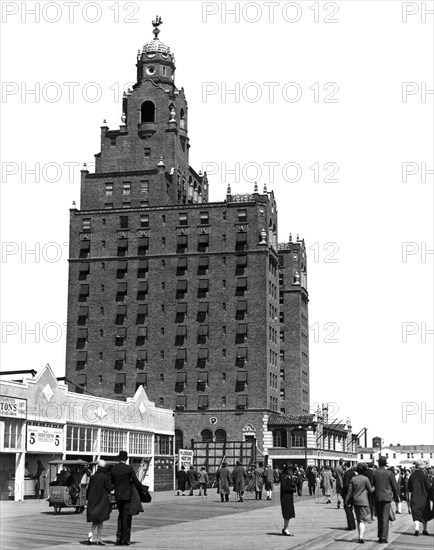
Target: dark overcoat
239, 476
288, 486
224, 478
419, 486
98, 505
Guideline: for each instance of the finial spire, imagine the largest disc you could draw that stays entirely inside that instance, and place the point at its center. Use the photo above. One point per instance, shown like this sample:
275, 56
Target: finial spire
255, 188
265, 188
156, 23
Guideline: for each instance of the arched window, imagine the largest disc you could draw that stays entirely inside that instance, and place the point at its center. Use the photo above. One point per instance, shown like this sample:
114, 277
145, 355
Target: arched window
182, 119
147, 112
179, 440
220, 436
279, 438
206, 435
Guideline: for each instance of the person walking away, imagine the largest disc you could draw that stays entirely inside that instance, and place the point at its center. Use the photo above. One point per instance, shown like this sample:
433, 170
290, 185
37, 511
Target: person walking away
123, 477
419, 487
239, 476
406, 492
371, 496
4, 483
327, 483
357, 495
269, 481
40, 468
399, 481
300, 480
288, 486
98, 502
203, 481
42, 484
258, 477
181, 476
339, 477
349, 473
224, 479
74, 481
191, 479
311, 480
385, 492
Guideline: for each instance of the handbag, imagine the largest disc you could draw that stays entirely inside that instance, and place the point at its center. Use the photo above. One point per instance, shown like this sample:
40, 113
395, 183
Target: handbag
144, 494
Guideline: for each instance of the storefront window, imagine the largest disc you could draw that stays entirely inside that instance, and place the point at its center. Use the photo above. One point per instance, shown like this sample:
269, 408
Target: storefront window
140, 444
113, 441
163, 445
13, 434
81, 439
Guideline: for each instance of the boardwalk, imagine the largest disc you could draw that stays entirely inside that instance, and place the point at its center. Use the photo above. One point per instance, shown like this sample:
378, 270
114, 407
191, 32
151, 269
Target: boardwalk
197, 523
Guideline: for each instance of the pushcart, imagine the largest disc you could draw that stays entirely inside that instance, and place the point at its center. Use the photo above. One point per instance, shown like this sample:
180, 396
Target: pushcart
64, 491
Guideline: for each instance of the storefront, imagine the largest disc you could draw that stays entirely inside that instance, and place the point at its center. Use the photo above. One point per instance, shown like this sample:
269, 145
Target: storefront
41, 420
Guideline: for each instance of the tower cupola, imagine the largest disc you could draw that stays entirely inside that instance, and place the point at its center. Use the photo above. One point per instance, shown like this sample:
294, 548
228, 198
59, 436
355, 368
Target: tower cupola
156, 61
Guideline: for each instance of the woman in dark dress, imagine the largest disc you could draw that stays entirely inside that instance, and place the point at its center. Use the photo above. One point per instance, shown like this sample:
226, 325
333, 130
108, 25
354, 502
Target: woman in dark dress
181, 476
419, 486
288, 486
98, 504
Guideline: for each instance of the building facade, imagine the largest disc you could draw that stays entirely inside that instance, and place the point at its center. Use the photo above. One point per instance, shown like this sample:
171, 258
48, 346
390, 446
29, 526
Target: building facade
41, 419
178, 294
397, 455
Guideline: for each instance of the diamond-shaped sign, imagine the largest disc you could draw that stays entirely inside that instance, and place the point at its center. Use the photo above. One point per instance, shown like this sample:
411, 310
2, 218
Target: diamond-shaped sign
142, 408
47, 392
100, 413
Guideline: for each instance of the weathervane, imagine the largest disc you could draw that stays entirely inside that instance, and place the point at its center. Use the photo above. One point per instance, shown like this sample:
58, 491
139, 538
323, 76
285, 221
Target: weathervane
156, 23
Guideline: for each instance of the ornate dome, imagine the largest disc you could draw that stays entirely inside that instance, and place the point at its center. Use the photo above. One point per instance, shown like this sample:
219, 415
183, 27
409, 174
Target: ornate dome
156, 46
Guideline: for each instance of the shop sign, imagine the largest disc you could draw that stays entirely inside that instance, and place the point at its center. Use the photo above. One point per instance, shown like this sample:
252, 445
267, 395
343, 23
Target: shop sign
44, 439
13, 407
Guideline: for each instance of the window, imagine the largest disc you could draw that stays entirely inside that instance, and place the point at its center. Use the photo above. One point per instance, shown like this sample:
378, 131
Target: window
86, 224
83, 293
202, 334
121, 334
181, 243
181, 286
241, 357
279, 438
202, 402
241, 284
144, 185
282, 374
202, 381
140, 443
206, 436
121, 313
242, 216
183, 219
109, 189
147, 112
163, 444
142, 312
179, 440
181, 358
220, 436
241, 261
202, 357
123, 222
204, 218
143, 245
241, 241
122, 268
282, 393
122, 246
84, 249
142, 269
241, 309
202, 311
121, 292
180, 381
83, 314
202, 243
12, 438
142, 359
203, 287
203, 265
298, 439
142, 290
108, 205
120, 358
147, 152
241, 334
126, 188
81, 338
84, 271
113, 440
81, 439
241, 381
181, 402
120, 382
181, 266
242, 402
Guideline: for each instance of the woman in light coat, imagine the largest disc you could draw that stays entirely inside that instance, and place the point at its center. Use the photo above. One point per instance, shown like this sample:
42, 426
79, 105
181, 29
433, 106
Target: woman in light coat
224, 479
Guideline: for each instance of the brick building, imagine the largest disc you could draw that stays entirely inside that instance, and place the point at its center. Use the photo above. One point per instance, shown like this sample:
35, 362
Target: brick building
195, 300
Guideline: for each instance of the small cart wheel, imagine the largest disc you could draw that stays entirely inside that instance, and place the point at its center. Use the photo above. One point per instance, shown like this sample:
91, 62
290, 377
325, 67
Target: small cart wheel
57, 509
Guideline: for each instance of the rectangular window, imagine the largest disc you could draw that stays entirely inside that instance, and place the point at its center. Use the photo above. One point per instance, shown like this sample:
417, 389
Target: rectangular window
121, 292
142, 312
183, 219
13, 430
140, 443
142, 359
202, 403
113, 440
203, 264
163, 444
147, 152
242, 216
83, 293
242, 402
120, 380
84, 249
120, 359
142, 269
79, 438
143, 245
241, 357
86, 224
181, 358
242, 261
204, 218
144, 187
109, 189
84, 271
181, 286
142, 290
121, 334
182, 264
180, 381
242, 283
126, 188
202, 381
202, 243
241, 241
202, 357
202, 309
144, 220
122, 247
121, 313
123, 222
181, 402
181, 243
83, 314
203, 285
81, 360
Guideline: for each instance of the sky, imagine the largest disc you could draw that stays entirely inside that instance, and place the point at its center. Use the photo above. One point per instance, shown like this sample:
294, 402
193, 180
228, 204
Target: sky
327, 103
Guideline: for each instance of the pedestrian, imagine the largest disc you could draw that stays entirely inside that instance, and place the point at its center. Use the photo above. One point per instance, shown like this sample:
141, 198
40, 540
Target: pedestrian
300, 480
4, 483
269, 481
327, 483
191, 479
181, 477
349, 473
42, 484
288, 486
74, 481
239, 476
371, 496
224, 479
203, 481
385, 492
258, 477
311, 480
399, 483
419, 487
39, 469
123, 477
339, 477
98, 502
357, 496
406, 492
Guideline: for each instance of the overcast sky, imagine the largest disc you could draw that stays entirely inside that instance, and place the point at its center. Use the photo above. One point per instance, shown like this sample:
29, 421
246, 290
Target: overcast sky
330, 107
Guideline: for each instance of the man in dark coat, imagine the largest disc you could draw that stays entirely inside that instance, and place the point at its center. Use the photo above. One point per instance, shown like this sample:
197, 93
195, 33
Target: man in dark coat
98, 503
339, 475
311, 480
239, 476
419, 486
123, 478
224, 478
385, 492
181, 476
349, 473
192, 479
